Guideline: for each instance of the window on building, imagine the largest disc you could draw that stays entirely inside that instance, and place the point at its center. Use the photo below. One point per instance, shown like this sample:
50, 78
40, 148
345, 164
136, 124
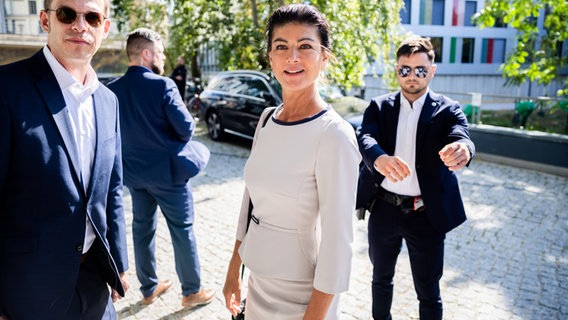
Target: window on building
432, 12
470, 9
405, 12
463, 47
438, 44
462, 12
467, 50
493, 51
32, 7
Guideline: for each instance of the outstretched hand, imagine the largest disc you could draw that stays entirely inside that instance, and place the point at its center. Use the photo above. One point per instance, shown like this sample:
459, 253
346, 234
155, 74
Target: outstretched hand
455, 155
393, 168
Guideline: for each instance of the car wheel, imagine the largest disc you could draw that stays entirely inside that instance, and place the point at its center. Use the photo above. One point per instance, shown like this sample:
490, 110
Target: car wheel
214, 126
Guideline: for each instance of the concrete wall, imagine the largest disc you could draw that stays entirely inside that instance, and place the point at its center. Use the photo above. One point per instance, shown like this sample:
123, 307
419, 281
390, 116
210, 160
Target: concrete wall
527, 149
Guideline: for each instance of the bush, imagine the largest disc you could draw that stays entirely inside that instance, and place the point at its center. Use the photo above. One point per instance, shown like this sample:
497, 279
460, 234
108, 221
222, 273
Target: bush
551, 120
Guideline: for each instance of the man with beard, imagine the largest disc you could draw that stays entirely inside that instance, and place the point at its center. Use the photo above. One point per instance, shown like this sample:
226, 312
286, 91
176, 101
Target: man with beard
416, 139
157, 127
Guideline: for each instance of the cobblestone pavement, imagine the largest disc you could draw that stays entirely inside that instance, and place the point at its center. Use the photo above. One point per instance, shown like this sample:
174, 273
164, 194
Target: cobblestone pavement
509, 261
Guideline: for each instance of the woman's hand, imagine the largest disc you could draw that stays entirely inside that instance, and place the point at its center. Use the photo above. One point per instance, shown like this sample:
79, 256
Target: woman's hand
233, 285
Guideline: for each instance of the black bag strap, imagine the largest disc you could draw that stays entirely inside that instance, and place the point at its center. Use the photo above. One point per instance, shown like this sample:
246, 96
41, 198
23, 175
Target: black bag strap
268, 115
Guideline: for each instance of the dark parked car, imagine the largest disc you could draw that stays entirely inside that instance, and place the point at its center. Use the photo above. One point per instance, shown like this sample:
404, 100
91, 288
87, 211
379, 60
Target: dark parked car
233, 101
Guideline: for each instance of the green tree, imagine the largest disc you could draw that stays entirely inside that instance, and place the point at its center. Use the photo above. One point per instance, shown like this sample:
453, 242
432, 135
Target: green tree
537, 55
362, 31
140, 13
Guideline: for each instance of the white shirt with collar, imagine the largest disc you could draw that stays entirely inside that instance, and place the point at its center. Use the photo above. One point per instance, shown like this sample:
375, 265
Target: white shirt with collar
406, 145
79, 102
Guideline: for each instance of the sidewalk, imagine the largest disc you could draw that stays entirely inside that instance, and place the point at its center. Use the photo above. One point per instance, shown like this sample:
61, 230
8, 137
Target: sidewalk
508, 261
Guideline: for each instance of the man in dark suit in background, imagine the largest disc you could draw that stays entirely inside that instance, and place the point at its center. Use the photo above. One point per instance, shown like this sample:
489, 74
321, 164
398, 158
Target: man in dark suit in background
416, 139
179, 75
62, 229
156, 128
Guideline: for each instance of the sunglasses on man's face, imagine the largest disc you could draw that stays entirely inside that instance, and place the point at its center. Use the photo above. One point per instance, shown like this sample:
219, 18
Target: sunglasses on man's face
420, 72
67, 15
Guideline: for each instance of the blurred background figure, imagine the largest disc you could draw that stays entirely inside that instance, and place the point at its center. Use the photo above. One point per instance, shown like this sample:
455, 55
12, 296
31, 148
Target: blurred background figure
179, 75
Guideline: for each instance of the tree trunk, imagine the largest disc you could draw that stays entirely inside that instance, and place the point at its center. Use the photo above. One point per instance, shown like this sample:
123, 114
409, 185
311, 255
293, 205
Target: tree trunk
254, 14
195, 71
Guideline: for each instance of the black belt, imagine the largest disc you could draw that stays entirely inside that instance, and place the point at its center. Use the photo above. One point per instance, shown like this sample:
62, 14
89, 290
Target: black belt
407, 204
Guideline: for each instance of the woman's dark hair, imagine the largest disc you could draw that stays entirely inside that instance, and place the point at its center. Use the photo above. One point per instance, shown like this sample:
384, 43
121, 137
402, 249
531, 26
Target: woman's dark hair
415, 45
300, 14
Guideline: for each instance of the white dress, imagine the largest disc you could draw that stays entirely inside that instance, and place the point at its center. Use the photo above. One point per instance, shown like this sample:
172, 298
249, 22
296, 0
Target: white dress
302, 179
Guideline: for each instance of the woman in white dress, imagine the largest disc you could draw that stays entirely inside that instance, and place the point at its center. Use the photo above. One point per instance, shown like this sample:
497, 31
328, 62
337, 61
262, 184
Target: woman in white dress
302, 179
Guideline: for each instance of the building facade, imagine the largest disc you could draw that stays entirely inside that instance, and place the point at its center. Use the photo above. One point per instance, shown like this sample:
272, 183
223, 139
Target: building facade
468, 58
21, 36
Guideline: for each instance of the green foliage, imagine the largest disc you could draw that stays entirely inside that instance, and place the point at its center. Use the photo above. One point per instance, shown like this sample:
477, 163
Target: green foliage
536, 56
363, 31
552, 120
132, 14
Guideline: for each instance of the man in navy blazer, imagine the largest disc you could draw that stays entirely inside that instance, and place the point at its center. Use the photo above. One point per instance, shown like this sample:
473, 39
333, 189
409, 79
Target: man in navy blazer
416, 139
157, 129
62, 228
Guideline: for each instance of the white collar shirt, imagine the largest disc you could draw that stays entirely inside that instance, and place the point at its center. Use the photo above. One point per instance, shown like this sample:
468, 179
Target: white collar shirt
79, 102
406, 146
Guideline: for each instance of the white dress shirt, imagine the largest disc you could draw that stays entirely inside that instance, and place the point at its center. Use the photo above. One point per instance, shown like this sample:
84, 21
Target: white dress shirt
79, 101
406, 146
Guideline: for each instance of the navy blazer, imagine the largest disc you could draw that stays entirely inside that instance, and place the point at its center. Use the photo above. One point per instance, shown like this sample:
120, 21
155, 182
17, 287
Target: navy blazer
43, 204
156, 129
441, 122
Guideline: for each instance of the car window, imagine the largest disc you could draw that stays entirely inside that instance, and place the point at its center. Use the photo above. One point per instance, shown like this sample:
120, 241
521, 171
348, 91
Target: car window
232, 85
276, 86
256, 87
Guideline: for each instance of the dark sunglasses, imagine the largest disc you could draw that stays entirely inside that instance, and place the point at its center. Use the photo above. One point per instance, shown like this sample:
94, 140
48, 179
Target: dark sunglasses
420, 72
67, 15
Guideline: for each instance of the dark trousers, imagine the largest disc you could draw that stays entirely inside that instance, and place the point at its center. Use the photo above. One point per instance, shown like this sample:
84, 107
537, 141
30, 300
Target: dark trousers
92, 295
387, 227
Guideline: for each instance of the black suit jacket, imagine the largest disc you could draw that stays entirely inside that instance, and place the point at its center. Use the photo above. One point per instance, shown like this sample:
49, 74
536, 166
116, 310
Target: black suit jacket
441, 122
